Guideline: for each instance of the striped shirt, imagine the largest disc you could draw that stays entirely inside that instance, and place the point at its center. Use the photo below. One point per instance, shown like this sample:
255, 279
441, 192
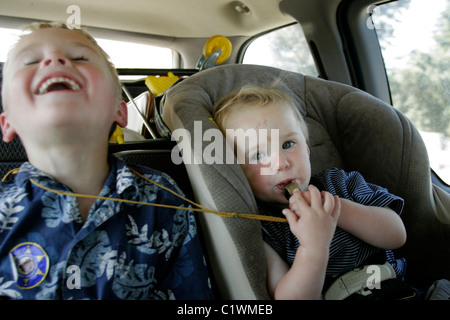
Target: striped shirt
346, 251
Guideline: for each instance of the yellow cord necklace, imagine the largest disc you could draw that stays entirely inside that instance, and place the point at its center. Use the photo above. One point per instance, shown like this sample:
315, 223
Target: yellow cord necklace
199, 208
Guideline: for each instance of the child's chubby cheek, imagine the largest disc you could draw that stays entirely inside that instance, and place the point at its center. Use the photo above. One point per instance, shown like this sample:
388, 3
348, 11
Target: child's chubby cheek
263, 186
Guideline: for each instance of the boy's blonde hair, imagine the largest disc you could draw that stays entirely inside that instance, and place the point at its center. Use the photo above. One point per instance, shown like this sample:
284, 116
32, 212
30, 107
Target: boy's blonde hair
252, 96
35, 26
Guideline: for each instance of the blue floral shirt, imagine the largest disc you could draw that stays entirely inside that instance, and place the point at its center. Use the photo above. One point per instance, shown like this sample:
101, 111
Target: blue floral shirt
122, 251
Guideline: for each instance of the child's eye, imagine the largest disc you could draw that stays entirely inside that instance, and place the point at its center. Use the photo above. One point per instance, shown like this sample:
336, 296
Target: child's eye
80, 58
31, 62
288, 144
258, 156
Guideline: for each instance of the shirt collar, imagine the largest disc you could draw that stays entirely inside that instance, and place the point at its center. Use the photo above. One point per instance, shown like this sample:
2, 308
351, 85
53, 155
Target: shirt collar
119, 178
27, 171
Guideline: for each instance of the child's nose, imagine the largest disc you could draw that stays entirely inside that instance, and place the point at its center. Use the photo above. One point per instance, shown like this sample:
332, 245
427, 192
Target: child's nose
55, 59
280, 162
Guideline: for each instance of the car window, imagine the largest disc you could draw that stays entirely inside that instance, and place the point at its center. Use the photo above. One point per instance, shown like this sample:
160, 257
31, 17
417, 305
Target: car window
123, 54
284, 48
9, 37
136, 55
414, 37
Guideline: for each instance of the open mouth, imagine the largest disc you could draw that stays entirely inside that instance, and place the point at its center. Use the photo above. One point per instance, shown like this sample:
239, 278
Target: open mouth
283, 184
288, 187
58, 84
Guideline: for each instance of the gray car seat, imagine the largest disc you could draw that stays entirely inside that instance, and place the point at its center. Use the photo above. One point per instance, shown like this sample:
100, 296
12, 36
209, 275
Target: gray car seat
11, 154
348, 128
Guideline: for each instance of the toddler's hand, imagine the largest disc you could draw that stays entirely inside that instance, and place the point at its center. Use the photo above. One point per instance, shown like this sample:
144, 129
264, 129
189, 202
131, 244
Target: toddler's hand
313, 217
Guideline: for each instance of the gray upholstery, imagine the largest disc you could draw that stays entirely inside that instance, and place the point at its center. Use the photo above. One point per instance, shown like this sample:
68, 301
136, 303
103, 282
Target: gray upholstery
11, 154
349, 129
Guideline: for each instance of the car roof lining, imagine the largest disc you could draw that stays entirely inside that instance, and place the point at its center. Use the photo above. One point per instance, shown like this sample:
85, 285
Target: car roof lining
159, 17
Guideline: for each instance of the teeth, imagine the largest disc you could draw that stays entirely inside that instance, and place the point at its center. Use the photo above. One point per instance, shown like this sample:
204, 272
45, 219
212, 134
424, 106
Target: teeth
72, 84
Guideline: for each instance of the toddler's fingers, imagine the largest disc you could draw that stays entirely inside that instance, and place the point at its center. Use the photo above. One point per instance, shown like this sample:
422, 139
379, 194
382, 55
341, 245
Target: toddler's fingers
316, 199
328, 202
337, 208
322, 194
291, 216
295, 200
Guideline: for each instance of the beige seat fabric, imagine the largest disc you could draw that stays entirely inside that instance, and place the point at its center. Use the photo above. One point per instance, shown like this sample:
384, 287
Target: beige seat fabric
349, 129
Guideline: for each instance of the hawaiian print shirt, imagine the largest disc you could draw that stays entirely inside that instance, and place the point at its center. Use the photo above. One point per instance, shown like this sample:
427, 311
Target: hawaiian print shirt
122, 251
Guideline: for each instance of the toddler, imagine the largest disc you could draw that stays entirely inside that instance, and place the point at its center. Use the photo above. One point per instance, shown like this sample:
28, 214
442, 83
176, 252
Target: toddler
336, 220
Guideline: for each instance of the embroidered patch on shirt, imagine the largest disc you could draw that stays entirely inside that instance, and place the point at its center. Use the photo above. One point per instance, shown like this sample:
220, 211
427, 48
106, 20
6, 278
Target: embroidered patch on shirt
30, 264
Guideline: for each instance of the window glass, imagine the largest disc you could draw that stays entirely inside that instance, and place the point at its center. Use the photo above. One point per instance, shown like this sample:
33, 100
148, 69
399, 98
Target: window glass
285, 48
136, 55
9, 37
415, 40
123, 54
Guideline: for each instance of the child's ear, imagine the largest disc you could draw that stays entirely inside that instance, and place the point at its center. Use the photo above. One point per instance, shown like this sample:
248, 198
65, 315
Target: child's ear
122, 114
8, 131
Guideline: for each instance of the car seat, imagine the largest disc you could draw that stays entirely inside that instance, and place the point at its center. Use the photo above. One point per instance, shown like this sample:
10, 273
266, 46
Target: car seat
11, 154
348, 128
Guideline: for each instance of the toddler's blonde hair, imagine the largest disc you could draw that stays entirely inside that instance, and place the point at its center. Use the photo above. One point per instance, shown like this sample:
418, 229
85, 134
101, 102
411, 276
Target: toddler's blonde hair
253, 96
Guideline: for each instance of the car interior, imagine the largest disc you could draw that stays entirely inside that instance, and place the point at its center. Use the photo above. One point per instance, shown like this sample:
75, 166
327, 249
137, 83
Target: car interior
344, 94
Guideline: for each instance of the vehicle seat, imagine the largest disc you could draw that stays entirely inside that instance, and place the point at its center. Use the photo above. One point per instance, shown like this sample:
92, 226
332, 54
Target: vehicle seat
11, 154
349, 129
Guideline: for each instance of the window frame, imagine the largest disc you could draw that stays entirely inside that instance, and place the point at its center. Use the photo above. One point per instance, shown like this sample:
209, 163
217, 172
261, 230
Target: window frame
244, 47
364, 56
